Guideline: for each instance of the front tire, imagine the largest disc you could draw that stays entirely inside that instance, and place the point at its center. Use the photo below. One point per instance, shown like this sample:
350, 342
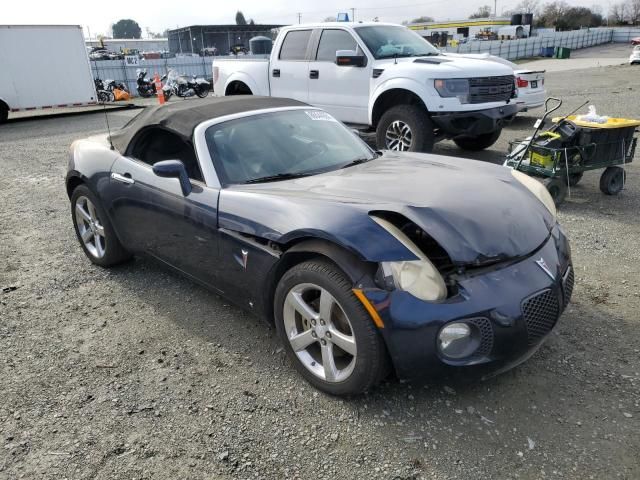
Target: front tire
94, 230
557, 188
327, 333
479, 142
405, 128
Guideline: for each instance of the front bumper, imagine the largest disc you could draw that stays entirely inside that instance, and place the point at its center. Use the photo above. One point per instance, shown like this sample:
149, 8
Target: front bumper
514, 307
479, 122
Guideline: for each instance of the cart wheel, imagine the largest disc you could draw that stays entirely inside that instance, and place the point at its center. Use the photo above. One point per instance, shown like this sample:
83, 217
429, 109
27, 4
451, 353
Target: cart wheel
612, 180
574, 179
557, 187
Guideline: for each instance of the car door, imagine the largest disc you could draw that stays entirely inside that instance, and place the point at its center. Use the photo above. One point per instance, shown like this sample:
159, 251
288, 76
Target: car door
343, 91
289, 68
152, 215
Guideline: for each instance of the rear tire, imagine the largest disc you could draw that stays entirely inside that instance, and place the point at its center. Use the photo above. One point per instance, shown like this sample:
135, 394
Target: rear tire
612, 180
557, 187
343, 321
202, 92
405, 128
94, 230
477, 143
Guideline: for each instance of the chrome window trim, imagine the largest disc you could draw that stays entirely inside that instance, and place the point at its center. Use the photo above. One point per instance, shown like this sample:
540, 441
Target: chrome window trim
202, 150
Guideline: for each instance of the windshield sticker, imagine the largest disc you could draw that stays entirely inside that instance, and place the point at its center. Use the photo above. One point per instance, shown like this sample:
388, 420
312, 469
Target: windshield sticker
320, 115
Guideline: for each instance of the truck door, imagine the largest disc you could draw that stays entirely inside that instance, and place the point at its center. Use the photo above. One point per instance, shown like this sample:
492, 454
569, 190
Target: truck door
289, 67
343, 91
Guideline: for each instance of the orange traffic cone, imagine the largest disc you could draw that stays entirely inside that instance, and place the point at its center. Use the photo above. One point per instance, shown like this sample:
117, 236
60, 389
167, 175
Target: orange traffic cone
159, 92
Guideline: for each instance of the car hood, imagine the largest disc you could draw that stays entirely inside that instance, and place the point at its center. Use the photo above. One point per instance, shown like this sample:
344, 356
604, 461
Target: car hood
444, 66
477, 212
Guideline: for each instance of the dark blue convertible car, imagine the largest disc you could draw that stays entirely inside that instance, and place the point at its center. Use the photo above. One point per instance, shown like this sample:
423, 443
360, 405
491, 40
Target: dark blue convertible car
367, 262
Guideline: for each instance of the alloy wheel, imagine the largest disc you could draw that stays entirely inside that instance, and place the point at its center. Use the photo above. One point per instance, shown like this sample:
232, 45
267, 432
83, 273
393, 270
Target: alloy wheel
319, 332
90, 227
398, 136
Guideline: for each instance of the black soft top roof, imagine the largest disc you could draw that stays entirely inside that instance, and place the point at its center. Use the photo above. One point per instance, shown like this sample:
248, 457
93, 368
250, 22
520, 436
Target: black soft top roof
182, 117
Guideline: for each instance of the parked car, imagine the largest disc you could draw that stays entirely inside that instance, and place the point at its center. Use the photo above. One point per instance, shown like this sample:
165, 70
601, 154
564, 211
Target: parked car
635, 41
530, 91
380, 76
365, 261
635, 55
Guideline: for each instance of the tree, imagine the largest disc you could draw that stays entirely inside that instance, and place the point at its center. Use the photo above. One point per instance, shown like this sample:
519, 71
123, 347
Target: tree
618, 13
423, 19
482, 12
330, 19
527, 6
240, 20
633, 8
126, 28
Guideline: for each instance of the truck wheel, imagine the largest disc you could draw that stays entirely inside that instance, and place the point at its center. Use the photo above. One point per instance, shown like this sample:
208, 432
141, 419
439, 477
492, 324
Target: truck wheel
475, 144
405, 128
4, 113
612, 180
557, 188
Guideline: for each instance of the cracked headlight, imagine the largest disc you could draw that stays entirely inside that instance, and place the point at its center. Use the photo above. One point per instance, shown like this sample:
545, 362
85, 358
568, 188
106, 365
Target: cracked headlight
419, 277
538, 189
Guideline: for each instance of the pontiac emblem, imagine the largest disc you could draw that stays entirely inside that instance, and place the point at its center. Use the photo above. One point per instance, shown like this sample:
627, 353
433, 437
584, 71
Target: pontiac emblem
543, 265
245, 257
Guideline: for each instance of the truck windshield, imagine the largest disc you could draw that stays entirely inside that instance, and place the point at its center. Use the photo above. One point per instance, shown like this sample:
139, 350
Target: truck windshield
283, 145
387, 41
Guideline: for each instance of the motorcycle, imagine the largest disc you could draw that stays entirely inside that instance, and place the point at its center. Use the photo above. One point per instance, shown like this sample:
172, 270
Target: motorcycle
184, 86
146, 88
104, 95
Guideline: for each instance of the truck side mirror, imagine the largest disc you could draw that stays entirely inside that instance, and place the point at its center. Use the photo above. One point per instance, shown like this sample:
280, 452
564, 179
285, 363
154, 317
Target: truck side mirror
350, 58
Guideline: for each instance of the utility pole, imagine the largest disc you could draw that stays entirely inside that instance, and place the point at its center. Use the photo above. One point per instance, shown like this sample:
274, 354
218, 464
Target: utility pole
495, 8
299, 17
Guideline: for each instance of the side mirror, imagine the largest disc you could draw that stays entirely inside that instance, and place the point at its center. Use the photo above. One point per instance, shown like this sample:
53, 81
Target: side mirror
174, 169
350, 58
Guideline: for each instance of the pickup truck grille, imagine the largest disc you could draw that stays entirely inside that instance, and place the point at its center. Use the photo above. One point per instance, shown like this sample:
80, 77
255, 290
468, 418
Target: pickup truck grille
491, 89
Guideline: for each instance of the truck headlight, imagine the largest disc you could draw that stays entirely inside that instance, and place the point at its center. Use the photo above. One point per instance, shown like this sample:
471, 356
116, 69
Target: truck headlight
418, 277
538, 189
453, 87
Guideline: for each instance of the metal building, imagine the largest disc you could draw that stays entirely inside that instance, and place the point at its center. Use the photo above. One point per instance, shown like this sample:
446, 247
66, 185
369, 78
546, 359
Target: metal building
222, 38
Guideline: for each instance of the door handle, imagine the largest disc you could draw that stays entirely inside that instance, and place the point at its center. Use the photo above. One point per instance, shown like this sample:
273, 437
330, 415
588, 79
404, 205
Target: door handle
276, 72
126, 178
314, 74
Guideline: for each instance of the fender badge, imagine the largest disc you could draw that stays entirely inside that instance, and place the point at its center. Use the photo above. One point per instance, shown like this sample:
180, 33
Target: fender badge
543, 265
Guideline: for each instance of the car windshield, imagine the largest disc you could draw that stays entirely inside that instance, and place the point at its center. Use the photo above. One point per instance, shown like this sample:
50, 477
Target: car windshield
387, 41
281, 145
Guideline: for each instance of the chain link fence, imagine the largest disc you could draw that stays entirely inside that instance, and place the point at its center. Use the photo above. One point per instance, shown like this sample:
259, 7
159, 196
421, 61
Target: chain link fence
125, 71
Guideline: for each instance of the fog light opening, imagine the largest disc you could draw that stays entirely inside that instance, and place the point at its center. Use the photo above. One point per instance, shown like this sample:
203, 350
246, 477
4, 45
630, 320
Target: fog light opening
458, 340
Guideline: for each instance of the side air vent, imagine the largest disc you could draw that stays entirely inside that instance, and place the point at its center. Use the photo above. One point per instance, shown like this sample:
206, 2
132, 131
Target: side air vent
377, 72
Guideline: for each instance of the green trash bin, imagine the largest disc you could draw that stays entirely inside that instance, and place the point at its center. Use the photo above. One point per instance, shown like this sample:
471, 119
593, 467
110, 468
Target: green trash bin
562, 52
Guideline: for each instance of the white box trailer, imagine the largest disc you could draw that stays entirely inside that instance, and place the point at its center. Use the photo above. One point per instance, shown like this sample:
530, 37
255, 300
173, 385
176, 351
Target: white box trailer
43, 66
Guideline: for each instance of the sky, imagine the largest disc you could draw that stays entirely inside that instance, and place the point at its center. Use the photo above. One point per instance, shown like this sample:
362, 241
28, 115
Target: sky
156, 16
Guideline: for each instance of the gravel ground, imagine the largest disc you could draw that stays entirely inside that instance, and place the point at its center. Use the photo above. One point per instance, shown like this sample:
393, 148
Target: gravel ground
136, 373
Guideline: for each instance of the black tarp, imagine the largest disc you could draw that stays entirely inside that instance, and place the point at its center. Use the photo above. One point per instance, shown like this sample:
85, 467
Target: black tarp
182, 117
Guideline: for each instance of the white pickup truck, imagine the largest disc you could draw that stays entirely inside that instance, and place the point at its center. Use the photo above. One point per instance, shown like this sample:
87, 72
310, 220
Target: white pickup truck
380, 76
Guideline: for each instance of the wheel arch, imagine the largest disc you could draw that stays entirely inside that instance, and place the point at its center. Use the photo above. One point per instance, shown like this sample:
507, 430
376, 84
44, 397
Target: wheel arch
240, 84
74, 180
394, 92
357, 270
